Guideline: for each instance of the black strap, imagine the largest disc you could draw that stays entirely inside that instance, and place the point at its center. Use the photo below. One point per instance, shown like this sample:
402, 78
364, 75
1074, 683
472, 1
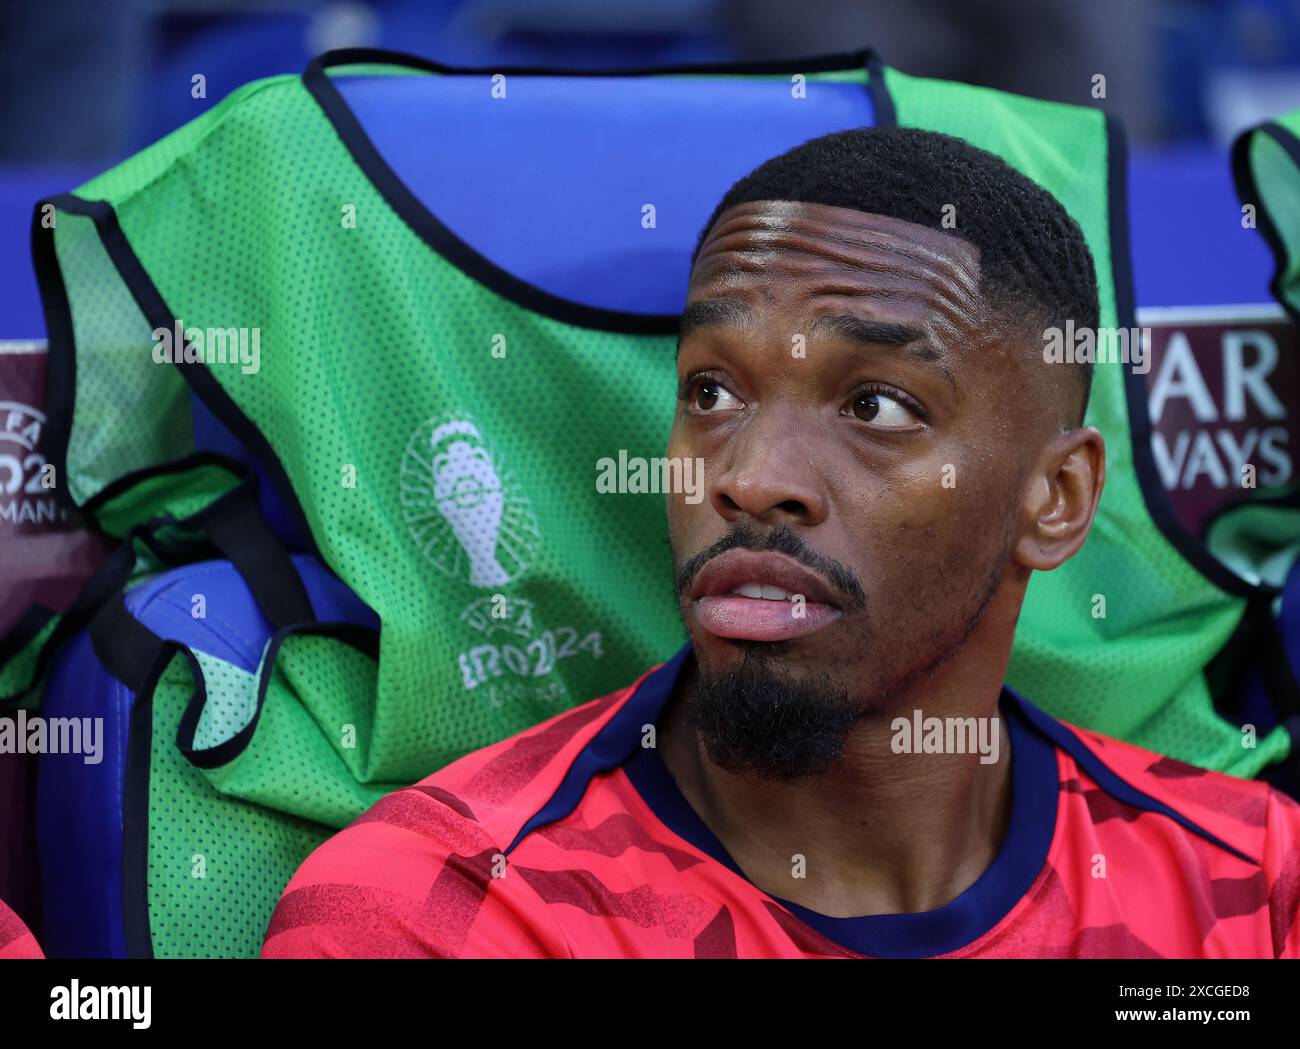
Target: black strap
1257, 648
128, 649
231, 526
239, 531
112, 576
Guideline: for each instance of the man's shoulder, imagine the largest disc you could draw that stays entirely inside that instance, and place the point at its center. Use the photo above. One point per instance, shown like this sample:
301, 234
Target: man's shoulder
1243, 814
1236, 841
500, 785
408, 869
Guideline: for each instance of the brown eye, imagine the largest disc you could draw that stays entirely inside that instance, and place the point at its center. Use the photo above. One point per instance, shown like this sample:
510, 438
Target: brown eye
884, 411
866, 407
705, 396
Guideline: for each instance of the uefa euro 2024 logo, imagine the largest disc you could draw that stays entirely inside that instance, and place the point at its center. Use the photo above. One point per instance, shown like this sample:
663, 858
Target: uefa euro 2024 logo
463, 510
470, 519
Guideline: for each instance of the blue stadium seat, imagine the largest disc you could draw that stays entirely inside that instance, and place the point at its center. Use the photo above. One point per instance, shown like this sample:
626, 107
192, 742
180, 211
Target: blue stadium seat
81, 807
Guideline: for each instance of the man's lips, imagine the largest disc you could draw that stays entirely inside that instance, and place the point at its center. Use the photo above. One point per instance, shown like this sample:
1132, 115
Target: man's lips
750, 596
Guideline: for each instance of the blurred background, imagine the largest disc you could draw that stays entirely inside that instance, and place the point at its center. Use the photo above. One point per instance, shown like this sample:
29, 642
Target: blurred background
86, 83
91, 81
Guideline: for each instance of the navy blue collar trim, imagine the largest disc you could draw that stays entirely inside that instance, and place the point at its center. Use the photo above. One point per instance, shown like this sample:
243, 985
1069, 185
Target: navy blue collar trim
1109, 781
1035, 784
611, 746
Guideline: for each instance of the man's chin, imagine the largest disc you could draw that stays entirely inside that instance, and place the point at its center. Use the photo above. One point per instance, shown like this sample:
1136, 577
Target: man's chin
759, 716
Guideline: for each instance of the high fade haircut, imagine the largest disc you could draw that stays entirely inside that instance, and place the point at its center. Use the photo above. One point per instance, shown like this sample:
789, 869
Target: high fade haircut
1034, 262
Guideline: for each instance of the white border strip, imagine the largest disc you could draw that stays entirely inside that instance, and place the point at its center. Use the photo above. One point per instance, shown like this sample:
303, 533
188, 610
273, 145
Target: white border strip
1171, 315
17, 346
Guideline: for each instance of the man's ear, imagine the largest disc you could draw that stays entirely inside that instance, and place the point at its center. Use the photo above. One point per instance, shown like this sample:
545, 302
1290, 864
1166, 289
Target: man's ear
1061, 499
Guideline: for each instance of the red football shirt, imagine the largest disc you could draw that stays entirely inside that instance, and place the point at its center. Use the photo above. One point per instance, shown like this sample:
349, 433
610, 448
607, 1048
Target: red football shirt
16, 941
572, 840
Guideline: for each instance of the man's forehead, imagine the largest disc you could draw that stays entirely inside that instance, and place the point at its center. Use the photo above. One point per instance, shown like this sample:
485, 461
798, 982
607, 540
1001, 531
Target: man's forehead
826, 262
832, 323
839, 232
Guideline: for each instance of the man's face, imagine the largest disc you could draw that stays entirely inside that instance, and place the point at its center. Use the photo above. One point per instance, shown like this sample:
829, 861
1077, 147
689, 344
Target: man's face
865, 428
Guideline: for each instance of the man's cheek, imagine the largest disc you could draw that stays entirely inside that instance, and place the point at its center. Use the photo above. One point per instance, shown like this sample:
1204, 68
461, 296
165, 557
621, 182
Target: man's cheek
679, 520
934, 536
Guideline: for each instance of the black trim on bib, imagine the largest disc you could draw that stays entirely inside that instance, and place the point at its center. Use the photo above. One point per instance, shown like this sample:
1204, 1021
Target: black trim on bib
123, 484
436, 234
363, 639
247, 542
136, 930
824, 63
60, 340
62, 353
136, 933
882, 102
1243, 176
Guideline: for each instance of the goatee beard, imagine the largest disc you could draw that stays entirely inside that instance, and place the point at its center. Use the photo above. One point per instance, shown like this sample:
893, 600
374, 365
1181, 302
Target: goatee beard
761, 722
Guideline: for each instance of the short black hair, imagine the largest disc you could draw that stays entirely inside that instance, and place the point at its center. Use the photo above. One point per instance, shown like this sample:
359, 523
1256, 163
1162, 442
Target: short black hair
1034, 260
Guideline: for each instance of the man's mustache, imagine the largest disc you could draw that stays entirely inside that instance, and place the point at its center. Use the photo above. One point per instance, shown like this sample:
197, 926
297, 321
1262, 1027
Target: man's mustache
784, 540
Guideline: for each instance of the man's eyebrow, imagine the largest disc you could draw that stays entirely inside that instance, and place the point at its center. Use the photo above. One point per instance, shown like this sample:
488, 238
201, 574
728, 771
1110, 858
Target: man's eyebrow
707, 313
885, 333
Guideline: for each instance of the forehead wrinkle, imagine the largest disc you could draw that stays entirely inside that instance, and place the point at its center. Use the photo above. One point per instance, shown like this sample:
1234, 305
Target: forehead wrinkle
963, 317
961, 303
868, 258
772, 229
950, 260
730, 311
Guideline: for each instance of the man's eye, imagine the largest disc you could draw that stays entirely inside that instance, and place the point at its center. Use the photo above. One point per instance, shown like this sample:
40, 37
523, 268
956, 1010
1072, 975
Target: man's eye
887, 411
709, 395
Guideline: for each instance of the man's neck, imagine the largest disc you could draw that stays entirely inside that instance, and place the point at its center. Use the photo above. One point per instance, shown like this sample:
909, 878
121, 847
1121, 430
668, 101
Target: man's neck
882, 832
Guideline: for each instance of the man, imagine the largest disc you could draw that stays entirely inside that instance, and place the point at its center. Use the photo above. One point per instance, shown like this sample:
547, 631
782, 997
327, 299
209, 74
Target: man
832, 766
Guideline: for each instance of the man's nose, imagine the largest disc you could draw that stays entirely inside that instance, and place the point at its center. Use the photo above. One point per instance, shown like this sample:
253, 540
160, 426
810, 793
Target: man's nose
765, 473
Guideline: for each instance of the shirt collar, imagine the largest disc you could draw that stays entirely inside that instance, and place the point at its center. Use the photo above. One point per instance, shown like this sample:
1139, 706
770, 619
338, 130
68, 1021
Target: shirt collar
1020, 859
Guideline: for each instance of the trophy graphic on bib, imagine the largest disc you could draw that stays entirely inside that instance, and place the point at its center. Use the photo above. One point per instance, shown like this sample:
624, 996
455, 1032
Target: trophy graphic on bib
467, 517
468, 493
